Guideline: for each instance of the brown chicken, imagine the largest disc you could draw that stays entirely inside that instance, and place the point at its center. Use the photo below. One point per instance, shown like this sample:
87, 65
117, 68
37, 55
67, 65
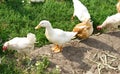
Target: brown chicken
118, 6
84, 29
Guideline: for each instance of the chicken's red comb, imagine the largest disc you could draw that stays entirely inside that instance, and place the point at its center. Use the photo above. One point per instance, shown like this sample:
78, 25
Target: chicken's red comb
4, 48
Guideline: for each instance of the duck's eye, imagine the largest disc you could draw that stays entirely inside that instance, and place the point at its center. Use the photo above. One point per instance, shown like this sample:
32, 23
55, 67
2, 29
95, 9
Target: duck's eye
42, 23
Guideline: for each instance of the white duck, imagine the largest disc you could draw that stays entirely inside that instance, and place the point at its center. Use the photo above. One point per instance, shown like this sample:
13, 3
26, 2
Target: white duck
21, 44
37, 1
118, 6
111, 22
56, 36
80, 11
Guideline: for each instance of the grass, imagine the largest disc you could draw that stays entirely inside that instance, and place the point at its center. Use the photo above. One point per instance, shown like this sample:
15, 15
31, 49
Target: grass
18, 19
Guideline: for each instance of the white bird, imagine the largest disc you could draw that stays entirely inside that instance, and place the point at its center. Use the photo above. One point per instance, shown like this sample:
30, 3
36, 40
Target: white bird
21, 44
80, 11
111, 22
37, 1
56, 36
118, 6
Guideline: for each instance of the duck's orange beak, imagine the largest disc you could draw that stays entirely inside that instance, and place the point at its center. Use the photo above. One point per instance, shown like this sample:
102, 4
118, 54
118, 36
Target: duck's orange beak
37, 27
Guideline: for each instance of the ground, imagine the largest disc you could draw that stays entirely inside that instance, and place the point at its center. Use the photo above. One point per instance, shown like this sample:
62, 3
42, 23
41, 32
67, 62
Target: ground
99, 54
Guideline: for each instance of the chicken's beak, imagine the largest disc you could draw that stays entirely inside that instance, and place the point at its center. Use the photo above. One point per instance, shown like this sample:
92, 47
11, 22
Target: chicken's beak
37, 27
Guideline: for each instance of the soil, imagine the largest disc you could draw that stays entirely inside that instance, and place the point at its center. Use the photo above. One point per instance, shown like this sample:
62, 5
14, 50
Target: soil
86, 56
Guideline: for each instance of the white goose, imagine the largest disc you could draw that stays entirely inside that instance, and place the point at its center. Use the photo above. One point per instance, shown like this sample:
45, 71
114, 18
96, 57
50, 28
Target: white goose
56, 36
80, 11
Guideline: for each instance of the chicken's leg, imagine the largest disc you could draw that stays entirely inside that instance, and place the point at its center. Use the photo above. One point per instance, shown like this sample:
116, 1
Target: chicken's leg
57, 48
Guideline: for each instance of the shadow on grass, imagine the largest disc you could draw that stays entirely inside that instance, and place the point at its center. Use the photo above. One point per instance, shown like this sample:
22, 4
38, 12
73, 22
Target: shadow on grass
16, 5
22, 8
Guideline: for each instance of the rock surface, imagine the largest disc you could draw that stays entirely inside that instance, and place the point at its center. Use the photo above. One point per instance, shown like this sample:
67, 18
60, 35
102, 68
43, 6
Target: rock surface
73, 58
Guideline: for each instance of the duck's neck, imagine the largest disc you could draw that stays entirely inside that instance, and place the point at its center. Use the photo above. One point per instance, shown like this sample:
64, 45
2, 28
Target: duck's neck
49, 29
76, 1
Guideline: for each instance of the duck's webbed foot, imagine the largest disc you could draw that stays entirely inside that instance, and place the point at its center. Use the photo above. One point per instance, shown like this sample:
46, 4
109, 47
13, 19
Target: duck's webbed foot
57, 48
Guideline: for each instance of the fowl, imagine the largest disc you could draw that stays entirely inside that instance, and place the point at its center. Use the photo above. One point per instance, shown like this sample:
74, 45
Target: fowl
37, 1
111, 22
84, 29
118, 6
80, 11
57, 36
21, 44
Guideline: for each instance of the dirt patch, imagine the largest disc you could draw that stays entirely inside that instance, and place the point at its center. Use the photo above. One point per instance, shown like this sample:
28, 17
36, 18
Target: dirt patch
95, 55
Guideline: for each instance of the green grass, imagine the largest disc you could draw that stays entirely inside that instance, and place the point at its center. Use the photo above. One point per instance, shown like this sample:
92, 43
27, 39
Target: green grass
18, 19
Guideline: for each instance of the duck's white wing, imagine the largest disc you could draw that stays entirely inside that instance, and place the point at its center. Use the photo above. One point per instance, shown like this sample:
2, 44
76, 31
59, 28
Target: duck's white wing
63, 36
61, 33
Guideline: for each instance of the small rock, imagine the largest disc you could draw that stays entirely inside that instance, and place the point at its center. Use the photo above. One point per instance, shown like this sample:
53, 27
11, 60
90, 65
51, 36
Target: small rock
89, 72
119, 67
